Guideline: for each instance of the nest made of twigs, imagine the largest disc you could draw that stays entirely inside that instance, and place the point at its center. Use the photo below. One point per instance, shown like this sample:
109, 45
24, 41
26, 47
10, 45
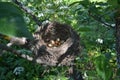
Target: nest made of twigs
55, 44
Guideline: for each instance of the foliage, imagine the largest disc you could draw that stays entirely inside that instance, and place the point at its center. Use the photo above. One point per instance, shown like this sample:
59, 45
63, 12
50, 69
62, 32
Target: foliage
103, 68
93, 21
12, 15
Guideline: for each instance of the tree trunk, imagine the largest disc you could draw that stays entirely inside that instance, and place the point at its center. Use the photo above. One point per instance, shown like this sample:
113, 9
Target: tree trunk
117, 29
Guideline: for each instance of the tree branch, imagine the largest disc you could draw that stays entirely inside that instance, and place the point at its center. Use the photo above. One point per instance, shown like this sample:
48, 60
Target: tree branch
99, 20
4, 47
15, 40
18, 41
28, 11
16, 52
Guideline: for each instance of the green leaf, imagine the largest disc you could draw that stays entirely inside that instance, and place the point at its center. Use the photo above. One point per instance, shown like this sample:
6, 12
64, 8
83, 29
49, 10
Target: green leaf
12, 22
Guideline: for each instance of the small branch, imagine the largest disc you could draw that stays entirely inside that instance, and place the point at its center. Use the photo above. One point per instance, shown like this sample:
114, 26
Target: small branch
4, 47
14, 40
16, 52
18, 41
99, 20
28, 11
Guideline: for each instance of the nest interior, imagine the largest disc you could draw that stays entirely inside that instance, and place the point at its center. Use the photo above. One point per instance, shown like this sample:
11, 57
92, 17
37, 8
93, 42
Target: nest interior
55, 44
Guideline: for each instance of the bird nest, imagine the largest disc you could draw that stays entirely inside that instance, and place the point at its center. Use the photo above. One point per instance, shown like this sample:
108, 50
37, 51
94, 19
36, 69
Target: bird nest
55, 44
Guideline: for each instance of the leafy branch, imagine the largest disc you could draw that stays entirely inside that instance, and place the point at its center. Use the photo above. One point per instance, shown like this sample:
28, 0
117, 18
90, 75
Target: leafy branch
95, 17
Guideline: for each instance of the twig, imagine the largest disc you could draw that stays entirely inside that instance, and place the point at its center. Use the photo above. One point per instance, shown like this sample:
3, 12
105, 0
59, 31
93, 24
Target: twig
15, 40
99, 20
28, 11
16, 52
18, 41
4, 47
